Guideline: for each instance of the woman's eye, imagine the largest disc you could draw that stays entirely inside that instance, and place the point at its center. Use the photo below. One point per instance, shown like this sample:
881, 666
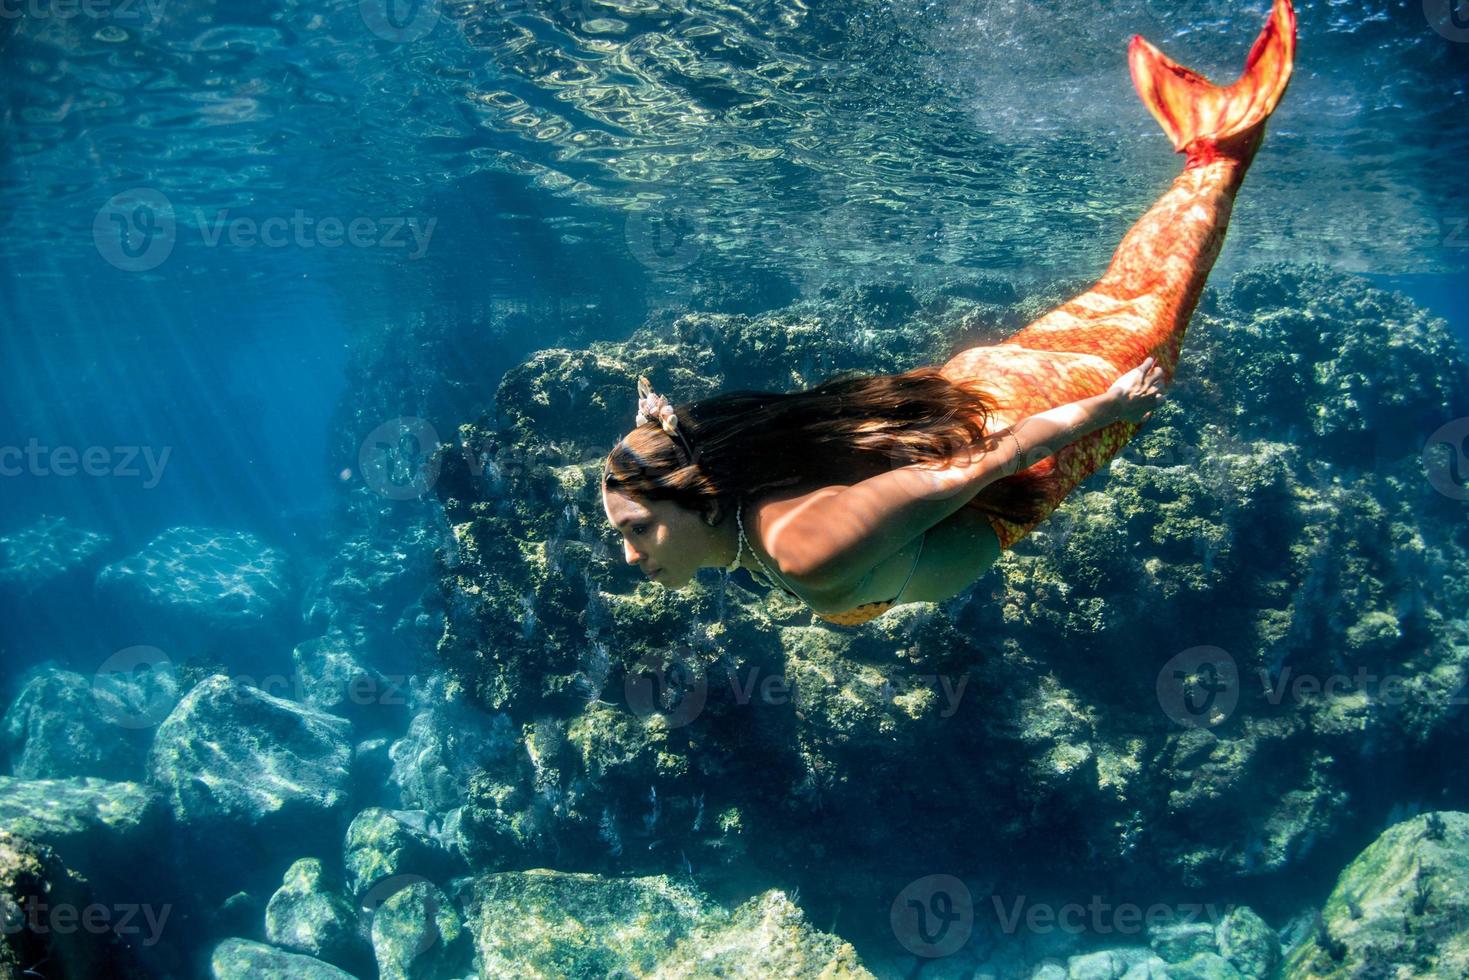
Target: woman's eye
639, 528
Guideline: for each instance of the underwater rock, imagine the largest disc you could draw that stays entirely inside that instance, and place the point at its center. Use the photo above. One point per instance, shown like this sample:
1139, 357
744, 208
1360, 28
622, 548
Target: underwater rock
45, 554
200, 589
1274, 510
372, 592
383, 844
1401, 908
448, 741
767, 936
333, 679
307, 915
1248, 943
233, 757
417, 935
59, 727
98, 828
41, 902
651, 926
243, 959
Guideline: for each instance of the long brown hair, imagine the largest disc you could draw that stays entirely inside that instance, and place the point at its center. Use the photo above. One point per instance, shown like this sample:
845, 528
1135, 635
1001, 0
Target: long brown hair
735, 444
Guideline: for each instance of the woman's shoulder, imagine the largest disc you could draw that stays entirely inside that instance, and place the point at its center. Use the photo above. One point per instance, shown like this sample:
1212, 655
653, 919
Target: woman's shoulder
764, 518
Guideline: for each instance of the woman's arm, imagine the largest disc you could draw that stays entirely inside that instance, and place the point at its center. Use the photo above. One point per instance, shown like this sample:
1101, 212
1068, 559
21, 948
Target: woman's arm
836, 538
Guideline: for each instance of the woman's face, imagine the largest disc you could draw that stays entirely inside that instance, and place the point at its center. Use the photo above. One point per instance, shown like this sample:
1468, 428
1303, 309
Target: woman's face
668, 542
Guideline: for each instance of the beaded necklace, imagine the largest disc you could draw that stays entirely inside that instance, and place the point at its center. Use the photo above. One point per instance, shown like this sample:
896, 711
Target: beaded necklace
770, 578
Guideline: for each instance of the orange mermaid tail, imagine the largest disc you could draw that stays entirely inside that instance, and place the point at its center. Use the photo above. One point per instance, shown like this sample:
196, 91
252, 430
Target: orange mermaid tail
1142, 304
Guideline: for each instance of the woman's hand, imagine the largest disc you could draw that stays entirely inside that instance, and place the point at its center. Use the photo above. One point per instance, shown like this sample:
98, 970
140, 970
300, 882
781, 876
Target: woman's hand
1138, 392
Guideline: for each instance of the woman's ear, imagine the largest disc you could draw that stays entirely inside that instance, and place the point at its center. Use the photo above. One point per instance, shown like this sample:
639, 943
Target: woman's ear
714, 514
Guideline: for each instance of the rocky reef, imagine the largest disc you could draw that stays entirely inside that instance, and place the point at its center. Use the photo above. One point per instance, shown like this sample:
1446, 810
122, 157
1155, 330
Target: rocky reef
1192, 677
469, 740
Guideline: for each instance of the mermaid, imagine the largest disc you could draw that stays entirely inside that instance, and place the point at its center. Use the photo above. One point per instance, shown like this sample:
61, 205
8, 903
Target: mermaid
867, 492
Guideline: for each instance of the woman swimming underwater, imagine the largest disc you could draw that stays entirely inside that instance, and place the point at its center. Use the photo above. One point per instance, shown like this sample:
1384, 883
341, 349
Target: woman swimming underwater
866, 492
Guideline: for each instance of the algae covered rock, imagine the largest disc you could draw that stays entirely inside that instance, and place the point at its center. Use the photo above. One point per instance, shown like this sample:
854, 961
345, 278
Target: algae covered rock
1401, 908
333, 679
308, 915
34, 885
449, 741
96, 827
545, 924
232, 754
58, 727
243, 959
386, 843
767, 936
417, 935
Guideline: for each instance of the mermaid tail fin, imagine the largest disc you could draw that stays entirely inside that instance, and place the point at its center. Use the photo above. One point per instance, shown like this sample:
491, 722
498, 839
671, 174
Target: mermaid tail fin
1204, 120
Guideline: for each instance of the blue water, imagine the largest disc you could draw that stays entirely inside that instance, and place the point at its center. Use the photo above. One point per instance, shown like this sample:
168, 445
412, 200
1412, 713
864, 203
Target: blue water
181, 295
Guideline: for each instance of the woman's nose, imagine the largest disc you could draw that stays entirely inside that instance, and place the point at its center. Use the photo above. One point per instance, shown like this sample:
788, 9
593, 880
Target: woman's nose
632, 556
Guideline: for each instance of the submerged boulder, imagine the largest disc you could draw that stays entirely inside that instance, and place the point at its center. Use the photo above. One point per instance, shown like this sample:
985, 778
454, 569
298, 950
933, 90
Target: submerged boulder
103, 830
1401, 908
233, 758
417, 934
449, 741
652, 926
200, 589
333, 678
308, 914
244, 959
384, 844
34, 886
45, 554
59, 726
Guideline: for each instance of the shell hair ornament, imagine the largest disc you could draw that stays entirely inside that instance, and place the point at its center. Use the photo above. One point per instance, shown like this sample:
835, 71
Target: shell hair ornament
653, 407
